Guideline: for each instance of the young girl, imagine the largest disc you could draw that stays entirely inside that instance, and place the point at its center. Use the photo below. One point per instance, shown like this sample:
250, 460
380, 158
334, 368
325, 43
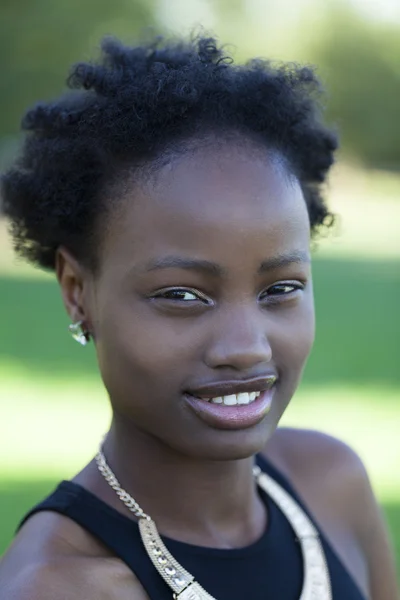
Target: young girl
173, 194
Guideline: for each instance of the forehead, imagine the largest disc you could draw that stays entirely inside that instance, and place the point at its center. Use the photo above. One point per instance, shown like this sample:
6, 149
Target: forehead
219, 199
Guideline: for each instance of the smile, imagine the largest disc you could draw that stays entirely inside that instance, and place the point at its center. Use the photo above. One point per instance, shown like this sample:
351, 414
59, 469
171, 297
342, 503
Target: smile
233, 399
233, 411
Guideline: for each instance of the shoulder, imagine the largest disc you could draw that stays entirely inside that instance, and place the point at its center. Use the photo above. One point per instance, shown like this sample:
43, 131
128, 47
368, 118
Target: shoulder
72, 579
290, 441
328, 474
306, 455
332, 479
63, 563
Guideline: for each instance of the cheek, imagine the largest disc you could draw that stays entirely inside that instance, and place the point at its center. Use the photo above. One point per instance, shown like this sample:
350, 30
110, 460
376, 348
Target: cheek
293, 337
141, 353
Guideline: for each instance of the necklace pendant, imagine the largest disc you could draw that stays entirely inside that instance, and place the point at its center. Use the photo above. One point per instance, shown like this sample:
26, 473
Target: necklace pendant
193, 591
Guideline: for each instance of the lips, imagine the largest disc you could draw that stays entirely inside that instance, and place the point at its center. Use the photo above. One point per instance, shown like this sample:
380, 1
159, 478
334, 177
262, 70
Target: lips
229, 415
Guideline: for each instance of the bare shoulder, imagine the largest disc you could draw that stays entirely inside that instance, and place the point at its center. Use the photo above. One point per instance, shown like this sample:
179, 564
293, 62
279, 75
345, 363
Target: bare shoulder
327, 473
333, 481
73, 579
305, 454
53, 558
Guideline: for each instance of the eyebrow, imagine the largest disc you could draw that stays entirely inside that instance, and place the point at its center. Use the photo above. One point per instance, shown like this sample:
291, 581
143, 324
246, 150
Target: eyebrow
211, 268
283, 260
190, 264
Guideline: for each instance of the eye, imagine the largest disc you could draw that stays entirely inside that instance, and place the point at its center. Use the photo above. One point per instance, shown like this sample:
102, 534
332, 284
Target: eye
182, 295
283, 288
281, 291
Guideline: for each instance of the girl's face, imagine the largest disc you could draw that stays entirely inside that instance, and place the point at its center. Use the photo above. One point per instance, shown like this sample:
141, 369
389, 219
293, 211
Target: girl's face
205, 291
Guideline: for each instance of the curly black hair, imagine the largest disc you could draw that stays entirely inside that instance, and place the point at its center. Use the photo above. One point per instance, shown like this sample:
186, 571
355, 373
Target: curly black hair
132, 105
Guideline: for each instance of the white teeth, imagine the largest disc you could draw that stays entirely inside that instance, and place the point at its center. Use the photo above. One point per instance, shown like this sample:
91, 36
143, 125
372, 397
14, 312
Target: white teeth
243, 398
232, 399
217, 400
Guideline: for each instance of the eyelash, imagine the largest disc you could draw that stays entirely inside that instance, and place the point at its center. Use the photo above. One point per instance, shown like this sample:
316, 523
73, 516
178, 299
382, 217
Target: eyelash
162, 294
296, 286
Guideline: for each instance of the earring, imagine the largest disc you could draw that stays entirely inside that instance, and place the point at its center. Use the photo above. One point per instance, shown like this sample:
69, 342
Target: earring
79, 334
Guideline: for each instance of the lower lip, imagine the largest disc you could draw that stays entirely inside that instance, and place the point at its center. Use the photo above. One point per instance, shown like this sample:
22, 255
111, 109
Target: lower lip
239, 416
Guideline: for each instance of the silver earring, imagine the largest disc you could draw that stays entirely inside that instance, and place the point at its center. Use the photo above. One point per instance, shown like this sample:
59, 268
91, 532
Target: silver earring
79, 334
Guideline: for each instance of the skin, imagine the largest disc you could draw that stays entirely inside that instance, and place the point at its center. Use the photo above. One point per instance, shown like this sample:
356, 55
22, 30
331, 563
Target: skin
235, 206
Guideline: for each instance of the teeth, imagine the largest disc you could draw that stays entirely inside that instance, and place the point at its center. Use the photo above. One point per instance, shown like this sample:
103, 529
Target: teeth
233, 399
217, 400
243, 398
230, 400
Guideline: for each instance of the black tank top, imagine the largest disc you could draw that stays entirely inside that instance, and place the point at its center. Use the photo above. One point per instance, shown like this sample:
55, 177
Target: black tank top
269, 569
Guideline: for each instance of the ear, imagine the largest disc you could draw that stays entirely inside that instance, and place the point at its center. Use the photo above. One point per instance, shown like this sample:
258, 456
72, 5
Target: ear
73, 280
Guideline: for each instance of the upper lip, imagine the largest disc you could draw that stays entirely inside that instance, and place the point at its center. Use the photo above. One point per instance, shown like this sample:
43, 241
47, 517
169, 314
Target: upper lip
226, 388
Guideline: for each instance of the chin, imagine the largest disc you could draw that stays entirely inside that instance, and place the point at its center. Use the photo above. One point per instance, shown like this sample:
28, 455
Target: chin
221, 445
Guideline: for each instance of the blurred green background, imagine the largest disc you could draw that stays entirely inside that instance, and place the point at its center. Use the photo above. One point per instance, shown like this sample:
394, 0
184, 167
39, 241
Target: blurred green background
53, 408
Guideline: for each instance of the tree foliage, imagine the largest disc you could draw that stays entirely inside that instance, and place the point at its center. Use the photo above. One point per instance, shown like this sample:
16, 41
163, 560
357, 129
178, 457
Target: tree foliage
360, 63
40, 39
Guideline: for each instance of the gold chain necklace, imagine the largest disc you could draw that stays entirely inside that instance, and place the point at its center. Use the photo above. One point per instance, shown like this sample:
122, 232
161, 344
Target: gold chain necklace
316, 582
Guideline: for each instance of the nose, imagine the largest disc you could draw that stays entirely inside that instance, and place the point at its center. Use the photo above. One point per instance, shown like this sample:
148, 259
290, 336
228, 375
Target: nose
239, 341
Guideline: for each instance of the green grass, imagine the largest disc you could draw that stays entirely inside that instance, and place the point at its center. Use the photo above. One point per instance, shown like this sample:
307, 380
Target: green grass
50, 392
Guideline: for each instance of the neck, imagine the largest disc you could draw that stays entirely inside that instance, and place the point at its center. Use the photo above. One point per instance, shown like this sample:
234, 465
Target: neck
203, 502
